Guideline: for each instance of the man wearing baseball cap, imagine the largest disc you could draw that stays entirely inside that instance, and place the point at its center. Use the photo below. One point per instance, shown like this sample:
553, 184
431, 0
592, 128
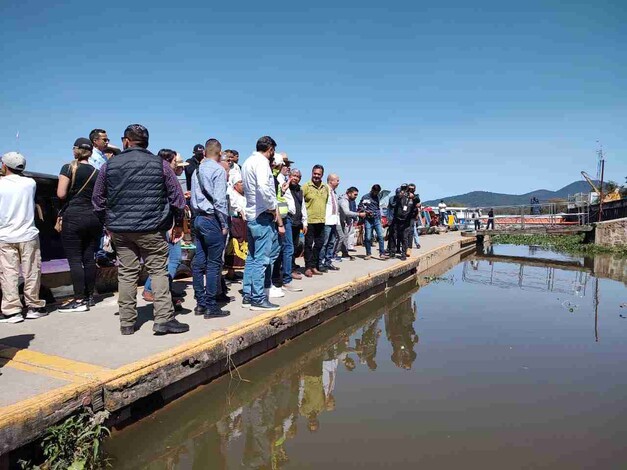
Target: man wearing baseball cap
194, 163
19, 242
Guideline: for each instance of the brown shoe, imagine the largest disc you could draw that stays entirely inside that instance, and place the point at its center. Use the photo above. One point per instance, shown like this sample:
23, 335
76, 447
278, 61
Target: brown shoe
383, 256
297, 275
408, 254
316, 272
308, 273
148, 296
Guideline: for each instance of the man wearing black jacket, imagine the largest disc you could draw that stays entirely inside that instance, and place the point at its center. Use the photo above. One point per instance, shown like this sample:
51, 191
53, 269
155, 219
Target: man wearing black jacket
405, 211
194, 163
139, 199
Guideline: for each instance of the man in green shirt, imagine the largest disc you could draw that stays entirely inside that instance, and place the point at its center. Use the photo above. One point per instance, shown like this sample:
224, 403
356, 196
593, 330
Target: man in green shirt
315, 195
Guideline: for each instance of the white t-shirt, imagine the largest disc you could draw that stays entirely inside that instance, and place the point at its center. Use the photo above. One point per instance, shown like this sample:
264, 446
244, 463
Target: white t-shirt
17, 209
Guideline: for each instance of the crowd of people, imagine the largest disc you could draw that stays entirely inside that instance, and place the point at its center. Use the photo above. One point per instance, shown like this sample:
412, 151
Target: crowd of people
246, 220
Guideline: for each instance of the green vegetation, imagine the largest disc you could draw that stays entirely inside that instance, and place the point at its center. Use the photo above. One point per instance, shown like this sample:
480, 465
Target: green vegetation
566, 243
74, 444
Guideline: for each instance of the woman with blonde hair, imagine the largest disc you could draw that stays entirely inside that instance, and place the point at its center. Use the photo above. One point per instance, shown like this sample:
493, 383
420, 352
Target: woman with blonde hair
81, 229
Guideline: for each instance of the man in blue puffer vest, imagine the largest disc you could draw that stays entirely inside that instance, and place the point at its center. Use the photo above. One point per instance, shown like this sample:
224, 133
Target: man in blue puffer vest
139, 199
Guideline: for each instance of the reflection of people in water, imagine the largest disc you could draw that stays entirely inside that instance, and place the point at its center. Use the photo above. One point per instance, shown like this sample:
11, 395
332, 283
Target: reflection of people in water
312, 394
399, 327
367, 345
474, 264
329, 373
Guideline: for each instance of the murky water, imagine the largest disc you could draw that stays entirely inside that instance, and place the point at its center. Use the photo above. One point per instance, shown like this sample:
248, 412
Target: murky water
497, 364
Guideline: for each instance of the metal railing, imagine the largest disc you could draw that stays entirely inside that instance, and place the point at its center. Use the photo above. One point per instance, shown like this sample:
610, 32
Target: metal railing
524, 216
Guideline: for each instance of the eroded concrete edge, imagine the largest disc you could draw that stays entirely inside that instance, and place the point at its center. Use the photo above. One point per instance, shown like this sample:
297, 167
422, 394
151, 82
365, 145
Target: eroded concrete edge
204, 358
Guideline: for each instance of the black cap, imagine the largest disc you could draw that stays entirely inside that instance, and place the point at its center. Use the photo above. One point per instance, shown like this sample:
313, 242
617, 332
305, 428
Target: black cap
83, 143
199, 148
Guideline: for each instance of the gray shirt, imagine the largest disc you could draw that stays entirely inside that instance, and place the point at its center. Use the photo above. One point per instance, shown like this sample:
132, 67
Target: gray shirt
213, 180
345, 209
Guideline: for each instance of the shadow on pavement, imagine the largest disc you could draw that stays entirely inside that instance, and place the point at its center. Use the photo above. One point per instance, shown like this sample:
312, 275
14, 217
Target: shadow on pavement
7, 344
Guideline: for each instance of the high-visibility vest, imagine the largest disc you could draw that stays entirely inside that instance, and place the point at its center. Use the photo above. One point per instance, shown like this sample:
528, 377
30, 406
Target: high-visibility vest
281, 203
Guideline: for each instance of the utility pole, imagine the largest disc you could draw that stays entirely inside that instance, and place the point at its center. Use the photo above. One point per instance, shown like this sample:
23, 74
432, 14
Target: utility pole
602, 165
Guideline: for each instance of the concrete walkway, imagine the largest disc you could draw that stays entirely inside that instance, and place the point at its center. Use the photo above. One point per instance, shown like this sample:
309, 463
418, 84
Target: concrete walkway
53, 361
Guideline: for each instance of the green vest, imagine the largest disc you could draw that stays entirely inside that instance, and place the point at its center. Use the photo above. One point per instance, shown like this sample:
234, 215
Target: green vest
281, 201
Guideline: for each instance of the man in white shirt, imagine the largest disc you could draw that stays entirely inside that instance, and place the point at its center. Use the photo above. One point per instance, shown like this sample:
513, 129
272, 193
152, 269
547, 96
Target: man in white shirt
19, 242
442, 212
332, 219
264, 226
100, 142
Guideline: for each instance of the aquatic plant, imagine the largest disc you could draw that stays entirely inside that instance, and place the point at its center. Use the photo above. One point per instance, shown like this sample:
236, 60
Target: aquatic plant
565, 243
74, 444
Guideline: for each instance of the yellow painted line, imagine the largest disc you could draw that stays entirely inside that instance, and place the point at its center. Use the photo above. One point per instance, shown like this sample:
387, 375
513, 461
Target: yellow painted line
49, 365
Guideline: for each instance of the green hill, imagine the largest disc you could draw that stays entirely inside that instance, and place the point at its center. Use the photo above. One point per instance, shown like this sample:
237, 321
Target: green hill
486, 198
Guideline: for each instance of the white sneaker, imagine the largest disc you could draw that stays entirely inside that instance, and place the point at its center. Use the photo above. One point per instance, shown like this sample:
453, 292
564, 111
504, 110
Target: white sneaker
17, 318
275, 292
35, 313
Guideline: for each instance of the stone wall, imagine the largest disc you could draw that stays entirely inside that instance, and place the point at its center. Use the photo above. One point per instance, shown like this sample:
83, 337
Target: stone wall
611, 233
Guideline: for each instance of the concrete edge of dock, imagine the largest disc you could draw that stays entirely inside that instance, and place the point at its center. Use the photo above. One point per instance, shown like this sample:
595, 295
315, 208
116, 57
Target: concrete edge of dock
173, 372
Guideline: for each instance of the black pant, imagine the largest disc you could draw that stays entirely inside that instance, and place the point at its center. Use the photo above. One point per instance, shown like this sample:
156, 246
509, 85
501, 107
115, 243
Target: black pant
477, 224
490, 222
313, 244
295, 240
391, 237
400, 240
81, 238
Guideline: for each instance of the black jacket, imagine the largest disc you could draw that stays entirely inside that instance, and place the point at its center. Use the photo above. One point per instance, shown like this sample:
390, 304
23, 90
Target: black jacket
137, 197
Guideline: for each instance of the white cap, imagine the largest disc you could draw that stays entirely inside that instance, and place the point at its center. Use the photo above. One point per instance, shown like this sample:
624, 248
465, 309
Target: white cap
14, 160
278, 159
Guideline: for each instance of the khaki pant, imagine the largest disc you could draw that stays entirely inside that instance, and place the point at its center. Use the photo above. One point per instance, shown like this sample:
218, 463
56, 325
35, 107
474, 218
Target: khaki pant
152, 247
13, 256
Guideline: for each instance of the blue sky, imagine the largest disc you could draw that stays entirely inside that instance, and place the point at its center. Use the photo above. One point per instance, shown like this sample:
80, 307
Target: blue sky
455, 96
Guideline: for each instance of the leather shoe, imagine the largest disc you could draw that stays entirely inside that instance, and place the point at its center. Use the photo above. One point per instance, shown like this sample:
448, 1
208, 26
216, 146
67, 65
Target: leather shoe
172, 326
308, 273
333, 268
127, 330
316, 272
198, 310
216, 313
224, 299
297, 275
322, 269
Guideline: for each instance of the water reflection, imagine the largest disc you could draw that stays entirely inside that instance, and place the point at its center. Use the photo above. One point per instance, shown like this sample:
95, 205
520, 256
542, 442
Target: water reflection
293, 398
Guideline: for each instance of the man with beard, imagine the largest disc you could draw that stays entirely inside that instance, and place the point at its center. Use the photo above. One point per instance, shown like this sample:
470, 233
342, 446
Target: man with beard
315, 195
348, 218
297, 214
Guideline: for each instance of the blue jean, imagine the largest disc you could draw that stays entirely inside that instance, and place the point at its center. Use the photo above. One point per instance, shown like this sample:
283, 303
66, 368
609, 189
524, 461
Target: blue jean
287, 251
416, 234
207, 263
369, 225
327, 253
263, 250
174, 260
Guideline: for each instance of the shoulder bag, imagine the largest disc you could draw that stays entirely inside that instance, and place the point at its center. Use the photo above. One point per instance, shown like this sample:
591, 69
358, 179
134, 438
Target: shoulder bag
58, 226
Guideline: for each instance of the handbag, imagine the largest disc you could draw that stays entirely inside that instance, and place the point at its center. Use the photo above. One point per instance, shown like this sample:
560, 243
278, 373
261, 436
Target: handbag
58, 225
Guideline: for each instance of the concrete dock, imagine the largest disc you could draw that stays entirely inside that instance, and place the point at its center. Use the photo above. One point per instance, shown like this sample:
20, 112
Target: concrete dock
51, 367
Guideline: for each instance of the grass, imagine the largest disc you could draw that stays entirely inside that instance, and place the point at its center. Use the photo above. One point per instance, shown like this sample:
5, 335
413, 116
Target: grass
566, 243
74, 444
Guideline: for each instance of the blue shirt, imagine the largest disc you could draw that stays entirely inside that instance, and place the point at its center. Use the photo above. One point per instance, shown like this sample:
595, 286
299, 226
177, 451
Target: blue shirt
213, 179
97, 159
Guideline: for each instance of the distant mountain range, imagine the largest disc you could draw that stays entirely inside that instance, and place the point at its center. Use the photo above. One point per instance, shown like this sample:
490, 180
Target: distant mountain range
486, 198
